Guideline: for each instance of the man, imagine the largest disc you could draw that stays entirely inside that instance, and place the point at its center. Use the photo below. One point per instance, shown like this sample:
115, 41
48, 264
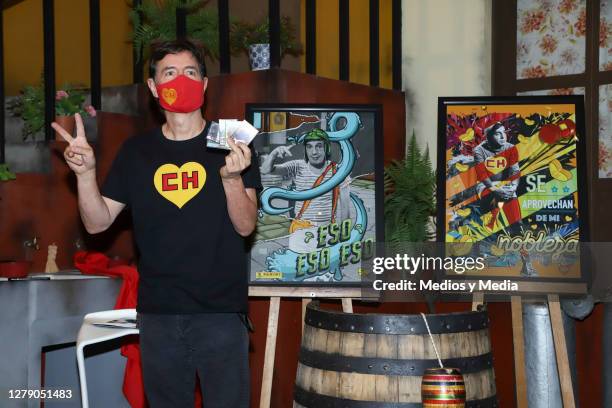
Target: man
498, 171
191, 208
313, 170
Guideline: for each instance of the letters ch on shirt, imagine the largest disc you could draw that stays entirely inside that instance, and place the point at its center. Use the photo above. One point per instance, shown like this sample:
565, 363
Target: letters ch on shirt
496, 164
179, 184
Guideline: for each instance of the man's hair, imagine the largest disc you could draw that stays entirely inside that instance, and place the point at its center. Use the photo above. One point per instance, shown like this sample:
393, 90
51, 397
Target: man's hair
316, 135
160, 49
490, 131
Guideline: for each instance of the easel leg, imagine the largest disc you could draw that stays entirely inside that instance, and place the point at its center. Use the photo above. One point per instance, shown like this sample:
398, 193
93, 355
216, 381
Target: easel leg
565, 377
268, 369
519, 352
477, 300
305, 302
347, 305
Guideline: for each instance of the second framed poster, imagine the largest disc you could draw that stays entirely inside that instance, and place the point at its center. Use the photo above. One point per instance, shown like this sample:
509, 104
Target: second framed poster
512, 186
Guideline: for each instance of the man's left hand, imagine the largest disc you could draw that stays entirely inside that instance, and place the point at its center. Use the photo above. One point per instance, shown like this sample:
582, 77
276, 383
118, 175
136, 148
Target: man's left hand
237, 160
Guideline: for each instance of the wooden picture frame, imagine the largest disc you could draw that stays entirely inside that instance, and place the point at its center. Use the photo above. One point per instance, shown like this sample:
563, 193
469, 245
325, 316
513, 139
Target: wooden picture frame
321, 243
499, 198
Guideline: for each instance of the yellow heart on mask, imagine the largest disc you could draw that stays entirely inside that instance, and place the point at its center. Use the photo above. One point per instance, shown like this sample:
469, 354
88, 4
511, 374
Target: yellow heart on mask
179, 184
496, 164
169, 95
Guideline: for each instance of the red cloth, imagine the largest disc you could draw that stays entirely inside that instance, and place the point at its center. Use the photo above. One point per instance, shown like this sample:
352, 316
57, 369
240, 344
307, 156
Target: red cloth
94, 263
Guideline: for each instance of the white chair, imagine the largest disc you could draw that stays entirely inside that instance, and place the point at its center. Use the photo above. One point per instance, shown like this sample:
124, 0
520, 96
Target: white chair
91, 332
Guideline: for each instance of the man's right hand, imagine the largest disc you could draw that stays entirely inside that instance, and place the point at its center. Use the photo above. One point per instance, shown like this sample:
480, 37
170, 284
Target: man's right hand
79, 155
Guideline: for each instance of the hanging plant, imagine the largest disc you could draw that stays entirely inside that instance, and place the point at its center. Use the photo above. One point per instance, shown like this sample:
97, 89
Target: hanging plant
244, 34
155, 20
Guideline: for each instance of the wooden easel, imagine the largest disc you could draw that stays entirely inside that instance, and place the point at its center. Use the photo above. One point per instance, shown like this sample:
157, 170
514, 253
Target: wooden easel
565, 379
307, 294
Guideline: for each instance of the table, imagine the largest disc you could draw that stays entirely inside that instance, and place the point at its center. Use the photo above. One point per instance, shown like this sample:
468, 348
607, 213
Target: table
45, 310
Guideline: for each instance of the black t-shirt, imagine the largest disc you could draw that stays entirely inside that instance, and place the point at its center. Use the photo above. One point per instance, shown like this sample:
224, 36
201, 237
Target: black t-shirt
191, 258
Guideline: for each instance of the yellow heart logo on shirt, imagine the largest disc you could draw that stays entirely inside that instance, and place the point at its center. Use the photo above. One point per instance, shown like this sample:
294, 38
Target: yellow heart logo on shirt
169, 95
179, 184
496, 164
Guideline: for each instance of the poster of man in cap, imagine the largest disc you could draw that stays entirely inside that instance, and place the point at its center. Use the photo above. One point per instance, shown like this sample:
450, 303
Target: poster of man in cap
317, 220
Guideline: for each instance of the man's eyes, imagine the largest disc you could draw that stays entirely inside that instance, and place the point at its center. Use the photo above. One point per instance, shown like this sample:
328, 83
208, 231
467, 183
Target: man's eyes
173, 72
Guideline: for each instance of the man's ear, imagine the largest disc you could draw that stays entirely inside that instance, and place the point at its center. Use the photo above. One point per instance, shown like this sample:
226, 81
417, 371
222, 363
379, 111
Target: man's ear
205, 81
152, 87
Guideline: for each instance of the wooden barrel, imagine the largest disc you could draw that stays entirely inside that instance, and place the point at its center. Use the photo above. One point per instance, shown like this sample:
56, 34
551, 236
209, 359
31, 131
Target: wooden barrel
377, 361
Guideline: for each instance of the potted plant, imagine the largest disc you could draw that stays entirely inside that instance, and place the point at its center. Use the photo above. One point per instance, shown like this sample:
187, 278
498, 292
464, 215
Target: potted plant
156, 20
410, 204
68, 102
30, 106
253, 39
5, 173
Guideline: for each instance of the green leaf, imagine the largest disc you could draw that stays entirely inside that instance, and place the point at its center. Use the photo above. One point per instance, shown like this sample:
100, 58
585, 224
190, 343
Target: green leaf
409, 202
5, 173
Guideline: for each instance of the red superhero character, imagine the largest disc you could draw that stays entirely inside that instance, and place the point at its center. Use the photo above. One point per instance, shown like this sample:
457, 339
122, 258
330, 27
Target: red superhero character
498, 174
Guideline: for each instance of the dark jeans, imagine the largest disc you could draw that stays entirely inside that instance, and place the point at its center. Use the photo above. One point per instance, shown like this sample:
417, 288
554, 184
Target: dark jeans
175, 347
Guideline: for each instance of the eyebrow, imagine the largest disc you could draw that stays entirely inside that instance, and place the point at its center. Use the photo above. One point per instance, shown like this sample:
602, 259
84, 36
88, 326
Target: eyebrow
174, 67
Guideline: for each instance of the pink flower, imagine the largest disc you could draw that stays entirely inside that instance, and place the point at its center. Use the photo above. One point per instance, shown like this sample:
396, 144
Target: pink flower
548, 44
567, 6
581, 24
532, 21
59, 95
604, 155
91, 111
562, 91
533, 72
604, 32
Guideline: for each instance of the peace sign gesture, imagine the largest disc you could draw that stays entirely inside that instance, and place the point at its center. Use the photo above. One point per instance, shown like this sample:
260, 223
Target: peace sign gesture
79, 154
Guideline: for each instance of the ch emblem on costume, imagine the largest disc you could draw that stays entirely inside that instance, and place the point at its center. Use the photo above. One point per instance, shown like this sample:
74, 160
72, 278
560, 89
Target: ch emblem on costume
496, 164
179, 184
169, 95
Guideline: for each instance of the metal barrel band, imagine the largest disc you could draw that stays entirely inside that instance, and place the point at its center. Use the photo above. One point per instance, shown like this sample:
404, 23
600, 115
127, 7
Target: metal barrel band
310, 400
395, 324
388, 366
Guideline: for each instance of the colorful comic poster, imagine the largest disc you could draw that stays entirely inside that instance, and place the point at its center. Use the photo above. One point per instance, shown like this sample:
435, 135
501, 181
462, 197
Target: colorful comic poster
512, 174
317, 219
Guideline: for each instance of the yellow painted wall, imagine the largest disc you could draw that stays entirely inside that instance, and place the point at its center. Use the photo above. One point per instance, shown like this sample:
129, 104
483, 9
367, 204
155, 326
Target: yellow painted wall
359, 40
23, 57
23, 43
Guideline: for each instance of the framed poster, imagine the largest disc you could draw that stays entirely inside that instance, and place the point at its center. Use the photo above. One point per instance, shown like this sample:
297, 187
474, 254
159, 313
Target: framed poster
512, 187
321, 204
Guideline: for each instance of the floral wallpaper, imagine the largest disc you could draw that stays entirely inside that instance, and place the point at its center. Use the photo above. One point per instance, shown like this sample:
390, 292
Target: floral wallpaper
605, 36
559, 91
605, 131
550, 38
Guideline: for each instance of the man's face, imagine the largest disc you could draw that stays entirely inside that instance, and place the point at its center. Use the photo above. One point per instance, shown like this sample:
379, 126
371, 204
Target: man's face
315, 151
173, 65
499, 136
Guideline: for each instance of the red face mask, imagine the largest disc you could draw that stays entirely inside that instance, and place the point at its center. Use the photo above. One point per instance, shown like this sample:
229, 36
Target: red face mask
181, 95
